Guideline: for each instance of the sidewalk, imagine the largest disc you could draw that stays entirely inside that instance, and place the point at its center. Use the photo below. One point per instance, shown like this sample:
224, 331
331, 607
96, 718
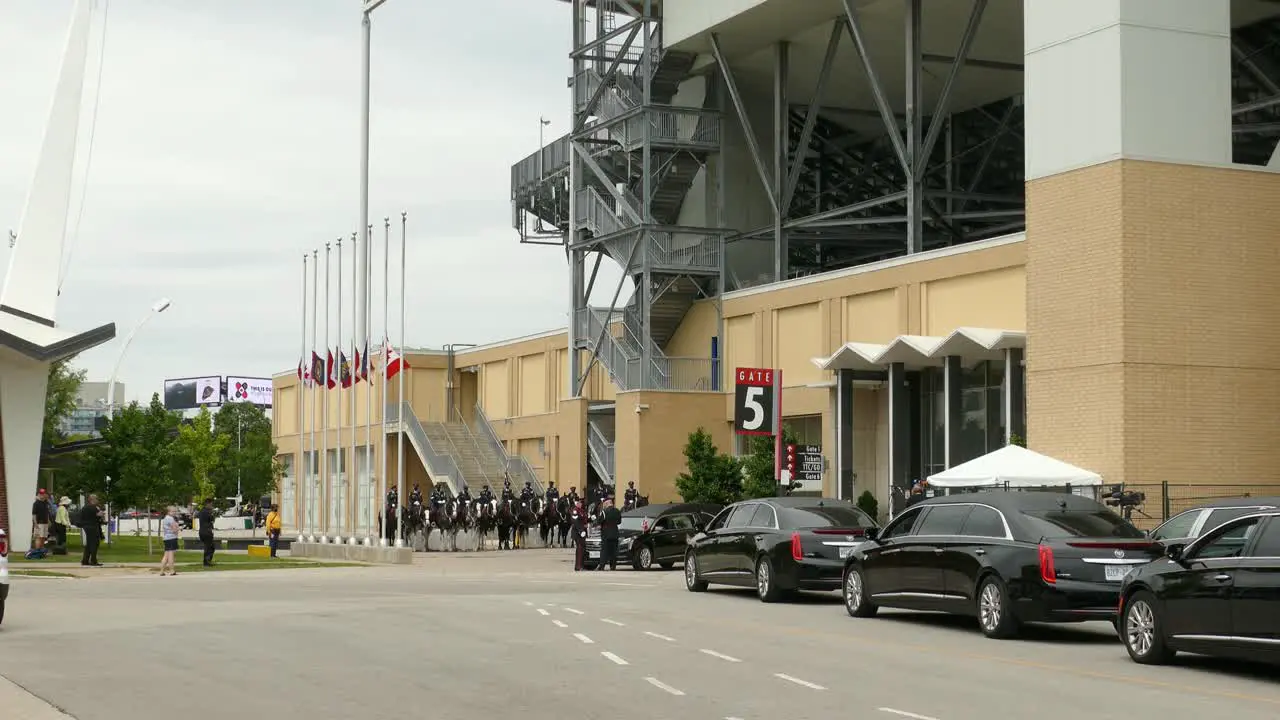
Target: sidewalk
19, 704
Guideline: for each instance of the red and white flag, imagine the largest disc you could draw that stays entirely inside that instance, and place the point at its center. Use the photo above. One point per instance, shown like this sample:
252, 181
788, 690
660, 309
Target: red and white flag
393, 362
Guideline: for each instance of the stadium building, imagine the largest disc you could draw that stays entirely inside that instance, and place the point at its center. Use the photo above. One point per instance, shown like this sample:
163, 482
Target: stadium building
947, 222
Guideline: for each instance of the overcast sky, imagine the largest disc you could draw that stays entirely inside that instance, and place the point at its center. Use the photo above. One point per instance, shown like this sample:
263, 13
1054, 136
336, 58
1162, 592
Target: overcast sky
226, 145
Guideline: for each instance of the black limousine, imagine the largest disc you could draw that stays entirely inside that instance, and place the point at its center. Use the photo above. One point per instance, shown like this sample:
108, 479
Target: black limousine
1004, 557
776, 545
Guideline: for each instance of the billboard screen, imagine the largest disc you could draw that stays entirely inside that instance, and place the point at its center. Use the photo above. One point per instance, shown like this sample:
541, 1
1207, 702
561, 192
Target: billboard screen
249, 389
187, 393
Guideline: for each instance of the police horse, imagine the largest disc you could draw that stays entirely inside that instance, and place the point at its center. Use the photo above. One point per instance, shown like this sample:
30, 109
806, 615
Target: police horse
486, 521
441, 520
413, 524
506, 523
527, 517
549, 521
459, 521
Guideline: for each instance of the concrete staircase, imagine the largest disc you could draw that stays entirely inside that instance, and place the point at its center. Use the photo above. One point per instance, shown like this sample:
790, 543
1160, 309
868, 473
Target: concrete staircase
477, 461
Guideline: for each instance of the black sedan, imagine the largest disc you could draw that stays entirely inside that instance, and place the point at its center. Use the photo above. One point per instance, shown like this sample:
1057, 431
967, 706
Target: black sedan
1219, 595
776, 545
1191, 524
1005, 557
654, 534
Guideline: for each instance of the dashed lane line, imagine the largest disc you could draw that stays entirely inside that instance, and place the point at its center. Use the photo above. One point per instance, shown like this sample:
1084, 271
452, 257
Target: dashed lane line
904, 713
575, 612
586, 640
798, 681
663, 686
722, 656
660, 637
613, 622
543, 612
528, 604
614, 658
560, 623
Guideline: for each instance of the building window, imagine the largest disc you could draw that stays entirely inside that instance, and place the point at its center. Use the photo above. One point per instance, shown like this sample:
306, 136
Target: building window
806, 428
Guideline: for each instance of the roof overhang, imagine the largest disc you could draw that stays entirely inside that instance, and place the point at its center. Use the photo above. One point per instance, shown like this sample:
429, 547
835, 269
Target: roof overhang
42, 343
917, 351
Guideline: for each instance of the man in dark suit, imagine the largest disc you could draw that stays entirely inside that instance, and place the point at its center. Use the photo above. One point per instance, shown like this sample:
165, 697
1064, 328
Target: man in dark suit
206, 531
91, 523
610, 519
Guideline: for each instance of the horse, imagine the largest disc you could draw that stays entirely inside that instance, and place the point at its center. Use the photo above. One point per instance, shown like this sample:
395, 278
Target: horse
564, 508
548, 521
413, 522
506, 524
526, 517
441, 519
460, 520
486, 520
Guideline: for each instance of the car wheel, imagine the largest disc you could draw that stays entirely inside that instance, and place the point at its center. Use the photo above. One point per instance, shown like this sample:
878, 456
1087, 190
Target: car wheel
643, 559
855, 595
1141, 631
995, 616
692, 581
766, 583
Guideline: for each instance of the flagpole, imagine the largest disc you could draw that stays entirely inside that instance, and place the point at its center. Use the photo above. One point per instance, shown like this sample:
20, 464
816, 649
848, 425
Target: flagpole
355, 379
342, 466
403, 363
374, 512
302, 374
386, 333
313, 477
324, 425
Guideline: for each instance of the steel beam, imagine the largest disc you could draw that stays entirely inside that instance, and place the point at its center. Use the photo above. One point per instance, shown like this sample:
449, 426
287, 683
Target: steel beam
981, 169
581, 120
571, 234
811, 117
608, 185
633, 27
1260, 104
942, 110
975, 62
915, 141
1245, 58
753, 144
604, 327
812, 220
781, 138
873, 79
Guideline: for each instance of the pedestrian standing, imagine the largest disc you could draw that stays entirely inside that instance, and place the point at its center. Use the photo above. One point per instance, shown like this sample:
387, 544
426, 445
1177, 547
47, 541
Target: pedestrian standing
170, 530
91, 524
41, 514
206, 531
62, 521
579, 524
273, 530
610, 520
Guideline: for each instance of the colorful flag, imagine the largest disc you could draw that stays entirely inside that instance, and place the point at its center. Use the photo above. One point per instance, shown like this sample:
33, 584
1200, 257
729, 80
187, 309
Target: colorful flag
317, 369
344, 371
394, 363
331, 371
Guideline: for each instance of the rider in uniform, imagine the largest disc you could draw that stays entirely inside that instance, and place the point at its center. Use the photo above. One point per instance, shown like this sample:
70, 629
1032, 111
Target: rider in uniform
526, 493
506, 491
579, 520
438, 498
598, 494
572, 496
486, 495
415, 496
393, 506
464, 496
552, 493
631, 496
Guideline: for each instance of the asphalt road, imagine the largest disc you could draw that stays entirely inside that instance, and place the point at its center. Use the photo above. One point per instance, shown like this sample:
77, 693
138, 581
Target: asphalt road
488, 635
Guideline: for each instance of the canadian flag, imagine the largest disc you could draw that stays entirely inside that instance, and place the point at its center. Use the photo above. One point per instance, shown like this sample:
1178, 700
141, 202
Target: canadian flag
331, 371
394, 363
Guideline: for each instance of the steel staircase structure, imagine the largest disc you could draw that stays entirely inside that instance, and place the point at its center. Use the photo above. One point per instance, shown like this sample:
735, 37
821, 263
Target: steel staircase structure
615, 186
600, 441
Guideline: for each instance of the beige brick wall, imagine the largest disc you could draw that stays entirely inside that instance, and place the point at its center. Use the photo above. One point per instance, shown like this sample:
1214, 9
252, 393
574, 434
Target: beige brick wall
1151, 314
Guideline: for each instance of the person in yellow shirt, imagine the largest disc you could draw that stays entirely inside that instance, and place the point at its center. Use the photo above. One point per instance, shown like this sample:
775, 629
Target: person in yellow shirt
273, 529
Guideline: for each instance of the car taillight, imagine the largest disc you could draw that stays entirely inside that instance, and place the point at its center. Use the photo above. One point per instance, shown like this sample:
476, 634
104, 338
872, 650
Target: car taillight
1047, 571
797, 548
4, 547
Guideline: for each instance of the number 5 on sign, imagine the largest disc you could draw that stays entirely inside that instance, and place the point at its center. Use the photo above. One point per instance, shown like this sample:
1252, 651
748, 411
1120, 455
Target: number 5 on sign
755, 401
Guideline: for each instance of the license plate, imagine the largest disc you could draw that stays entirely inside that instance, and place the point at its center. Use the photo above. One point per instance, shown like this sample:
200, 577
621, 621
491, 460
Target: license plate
593, 554
1116, 573
846, 552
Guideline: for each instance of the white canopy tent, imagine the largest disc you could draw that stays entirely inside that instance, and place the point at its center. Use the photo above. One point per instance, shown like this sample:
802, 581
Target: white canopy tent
1014, 467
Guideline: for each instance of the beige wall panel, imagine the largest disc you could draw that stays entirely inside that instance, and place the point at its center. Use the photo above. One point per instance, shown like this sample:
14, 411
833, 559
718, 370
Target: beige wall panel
533, 384
693, 337
797, 338
284, 413
425, 388
496, 389
650, 444
741, 346
995, 299
874, 317
528, 449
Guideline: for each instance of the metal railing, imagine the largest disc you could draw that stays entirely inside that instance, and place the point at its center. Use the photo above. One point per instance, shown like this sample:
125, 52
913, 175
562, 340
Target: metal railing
474, 443
685, 249
517, 467
439, 464
601, 452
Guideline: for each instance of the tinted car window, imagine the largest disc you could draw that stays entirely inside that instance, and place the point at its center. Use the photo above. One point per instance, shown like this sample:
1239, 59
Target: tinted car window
634, 522
720, 520
1227, 544
763, 517
944, 520
825, 516
1269, 541
741, 516
681, 522
1221, 516
902, 524
1179, 526
983, 522
1078, 523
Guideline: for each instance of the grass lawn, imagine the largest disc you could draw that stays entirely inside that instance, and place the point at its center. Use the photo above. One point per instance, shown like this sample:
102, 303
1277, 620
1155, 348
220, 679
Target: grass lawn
132, 550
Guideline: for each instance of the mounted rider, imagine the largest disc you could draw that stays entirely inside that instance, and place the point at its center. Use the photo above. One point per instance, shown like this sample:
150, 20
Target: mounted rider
507, 494
438, 497
552, 495
486, 495
526, 493
631, 496
393, 500
572, 496
598, 493
464, 496
415, 496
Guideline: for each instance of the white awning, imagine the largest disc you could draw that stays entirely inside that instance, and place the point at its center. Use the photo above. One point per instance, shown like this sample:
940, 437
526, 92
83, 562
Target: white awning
1015, 467
43, 343
972, 344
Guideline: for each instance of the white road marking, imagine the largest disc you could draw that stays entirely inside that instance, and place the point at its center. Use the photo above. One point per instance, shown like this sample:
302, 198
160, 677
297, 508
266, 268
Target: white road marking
613, 622
660, 637
543, 612
906, 714
616, 660
722, 656
528, 604
551, 604
584, 638
575, 612
559, 623
663, 686
798, 681
618, 584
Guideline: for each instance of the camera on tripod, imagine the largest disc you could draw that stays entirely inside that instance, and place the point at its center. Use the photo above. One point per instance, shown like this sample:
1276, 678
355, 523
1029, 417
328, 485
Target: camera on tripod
1126, 500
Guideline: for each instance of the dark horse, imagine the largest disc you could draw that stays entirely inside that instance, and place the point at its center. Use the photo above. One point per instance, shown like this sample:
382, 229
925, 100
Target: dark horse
440, 519
549, 521
412, 523
460, 515
506, 523
527, 517
486, 520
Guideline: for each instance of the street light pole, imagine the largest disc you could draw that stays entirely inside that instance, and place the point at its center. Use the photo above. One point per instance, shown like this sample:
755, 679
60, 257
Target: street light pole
157, 307
542, 123
362, 257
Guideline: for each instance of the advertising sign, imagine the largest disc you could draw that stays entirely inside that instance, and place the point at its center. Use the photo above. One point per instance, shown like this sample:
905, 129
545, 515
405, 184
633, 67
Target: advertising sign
187, 393
805, 464
249, 389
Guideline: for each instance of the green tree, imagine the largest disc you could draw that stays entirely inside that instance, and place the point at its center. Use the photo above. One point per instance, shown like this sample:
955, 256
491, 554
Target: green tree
60, 397
711, 476
868, 504
197, 452
757, 467
1016, 439
249, 460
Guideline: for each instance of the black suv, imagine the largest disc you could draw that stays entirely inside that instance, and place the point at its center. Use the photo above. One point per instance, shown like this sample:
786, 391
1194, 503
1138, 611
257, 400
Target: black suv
654, 534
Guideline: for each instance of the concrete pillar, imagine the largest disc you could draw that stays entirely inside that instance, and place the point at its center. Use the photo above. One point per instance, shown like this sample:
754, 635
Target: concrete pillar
844, 435
1014, 395
952, 400
22, 395
899, 435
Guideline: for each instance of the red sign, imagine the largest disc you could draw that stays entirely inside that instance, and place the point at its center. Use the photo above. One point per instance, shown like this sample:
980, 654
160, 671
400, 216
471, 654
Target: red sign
762, 377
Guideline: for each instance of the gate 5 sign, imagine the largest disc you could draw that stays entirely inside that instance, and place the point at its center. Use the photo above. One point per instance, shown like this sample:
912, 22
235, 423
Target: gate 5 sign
755, 401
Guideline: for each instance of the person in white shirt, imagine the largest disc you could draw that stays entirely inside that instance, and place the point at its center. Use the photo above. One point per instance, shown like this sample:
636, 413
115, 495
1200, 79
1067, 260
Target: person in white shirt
170, 529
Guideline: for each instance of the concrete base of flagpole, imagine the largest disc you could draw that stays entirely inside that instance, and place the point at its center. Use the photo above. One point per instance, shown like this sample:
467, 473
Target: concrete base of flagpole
399, 542
382, 542
311, 538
